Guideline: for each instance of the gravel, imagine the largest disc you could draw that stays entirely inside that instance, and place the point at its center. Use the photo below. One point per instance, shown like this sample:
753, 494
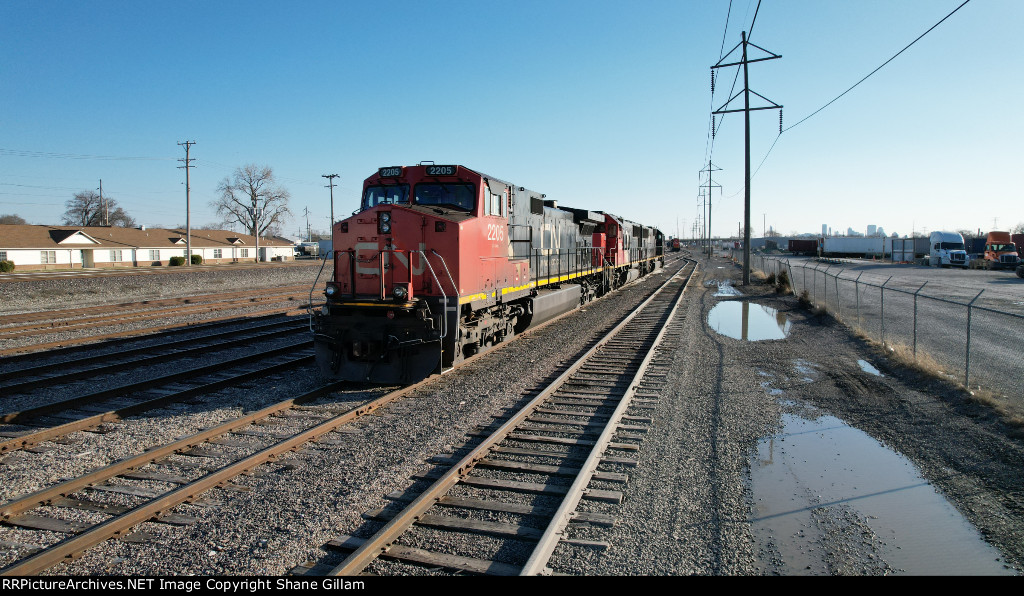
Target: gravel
688, 505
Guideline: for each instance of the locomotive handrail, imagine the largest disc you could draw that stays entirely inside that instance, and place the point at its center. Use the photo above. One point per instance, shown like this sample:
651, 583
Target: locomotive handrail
444, 296
309, 306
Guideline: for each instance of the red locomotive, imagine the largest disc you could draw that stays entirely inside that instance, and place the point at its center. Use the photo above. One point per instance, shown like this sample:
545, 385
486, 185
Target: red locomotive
441, 262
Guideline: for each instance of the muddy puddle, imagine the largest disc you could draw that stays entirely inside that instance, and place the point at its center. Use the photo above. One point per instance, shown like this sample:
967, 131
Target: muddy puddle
725, 288
749, 322
829, 499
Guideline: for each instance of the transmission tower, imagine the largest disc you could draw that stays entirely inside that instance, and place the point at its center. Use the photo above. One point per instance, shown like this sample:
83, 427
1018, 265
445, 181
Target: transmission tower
707, 196
746, 117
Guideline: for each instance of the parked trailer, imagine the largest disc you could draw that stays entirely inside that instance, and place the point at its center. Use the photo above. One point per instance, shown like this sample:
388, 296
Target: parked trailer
845, 246
803, 247
1018, 240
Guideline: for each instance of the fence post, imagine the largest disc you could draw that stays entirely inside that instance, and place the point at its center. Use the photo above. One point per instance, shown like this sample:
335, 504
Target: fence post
824, 286
856, 289
915, 318
839, 302
882, 316
967, 367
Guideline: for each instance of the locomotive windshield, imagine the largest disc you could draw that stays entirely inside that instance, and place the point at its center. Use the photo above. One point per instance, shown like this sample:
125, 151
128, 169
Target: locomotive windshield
459, 196
385, 195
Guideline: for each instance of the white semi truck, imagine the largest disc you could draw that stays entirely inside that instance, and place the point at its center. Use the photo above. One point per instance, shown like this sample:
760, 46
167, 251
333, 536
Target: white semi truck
947, 250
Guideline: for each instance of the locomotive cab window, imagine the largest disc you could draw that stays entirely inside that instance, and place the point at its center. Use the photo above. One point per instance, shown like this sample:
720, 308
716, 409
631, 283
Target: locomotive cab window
385, 195
458, 196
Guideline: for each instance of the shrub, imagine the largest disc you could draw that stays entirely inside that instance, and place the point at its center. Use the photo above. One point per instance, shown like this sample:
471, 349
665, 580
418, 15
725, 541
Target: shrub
197, 260
6, 266
176, 261
782, 283
805, 300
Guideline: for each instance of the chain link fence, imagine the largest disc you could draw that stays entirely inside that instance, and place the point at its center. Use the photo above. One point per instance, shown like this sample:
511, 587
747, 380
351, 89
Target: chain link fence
963, 339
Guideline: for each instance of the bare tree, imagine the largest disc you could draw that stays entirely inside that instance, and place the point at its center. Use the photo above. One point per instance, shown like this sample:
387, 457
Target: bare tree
1019, 228
12, 220
252, 187
86, 209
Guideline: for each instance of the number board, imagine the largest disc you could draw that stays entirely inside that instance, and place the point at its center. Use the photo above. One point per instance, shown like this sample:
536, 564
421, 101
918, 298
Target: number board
392, 172
441, 170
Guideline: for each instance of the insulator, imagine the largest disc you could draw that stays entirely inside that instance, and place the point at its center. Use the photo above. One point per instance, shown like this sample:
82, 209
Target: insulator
780, 120
712, 82
712, 126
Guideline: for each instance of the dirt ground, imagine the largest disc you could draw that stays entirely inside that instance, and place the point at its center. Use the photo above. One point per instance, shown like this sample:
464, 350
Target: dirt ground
790, 457
958, 444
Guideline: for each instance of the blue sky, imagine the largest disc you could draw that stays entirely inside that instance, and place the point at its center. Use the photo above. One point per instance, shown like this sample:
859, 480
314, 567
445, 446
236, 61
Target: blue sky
597, 104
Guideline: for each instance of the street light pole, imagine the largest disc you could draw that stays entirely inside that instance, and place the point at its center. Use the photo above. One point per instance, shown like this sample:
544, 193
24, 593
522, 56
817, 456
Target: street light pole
330, 185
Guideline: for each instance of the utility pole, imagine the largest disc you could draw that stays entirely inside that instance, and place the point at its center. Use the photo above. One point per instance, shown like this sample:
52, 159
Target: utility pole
710, 168
106, 212
746, 118
256, 227
330, 185
309, 237
188, 208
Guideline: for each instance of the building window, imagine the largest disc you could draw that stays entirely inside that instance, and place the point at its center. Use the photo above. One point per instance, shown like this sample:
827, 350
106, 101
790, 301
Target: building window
217, 253
115, 256
154, 255
3, 255
47, 256
245, 253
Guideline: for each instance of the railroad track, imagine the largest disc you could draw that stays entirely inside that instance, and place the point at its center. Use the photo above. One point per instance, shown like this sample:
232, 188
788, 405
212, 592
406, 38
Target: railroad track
48, 323
69, 368
182, 471
24, 429
531, 472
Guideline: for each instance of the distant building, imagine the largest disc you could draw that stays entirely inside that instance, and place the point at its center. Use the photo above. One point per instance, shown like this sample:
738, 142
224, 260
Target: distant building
64, 247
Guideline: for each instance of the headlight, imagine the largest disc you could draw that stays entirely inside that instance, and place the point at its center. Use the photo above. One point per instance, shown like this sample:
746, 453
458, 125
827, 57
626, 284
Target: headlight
385, 227
400, 292
331, 291
385, 216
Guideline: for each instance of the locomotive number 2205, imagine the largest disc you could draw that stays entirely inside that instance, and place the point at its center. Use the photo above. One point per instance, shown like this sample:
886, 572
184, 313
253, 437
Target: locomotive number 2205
495, 232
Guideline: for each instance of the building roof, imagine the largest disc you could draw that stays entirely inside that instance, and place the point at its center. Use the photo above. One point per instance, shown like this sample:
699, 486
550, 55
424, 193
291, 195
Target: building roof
63, 237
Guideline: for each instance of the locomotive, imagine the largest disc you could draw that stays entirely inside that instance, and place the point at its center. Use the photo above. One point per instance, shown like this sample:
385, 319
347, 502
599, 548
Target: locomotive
441, 262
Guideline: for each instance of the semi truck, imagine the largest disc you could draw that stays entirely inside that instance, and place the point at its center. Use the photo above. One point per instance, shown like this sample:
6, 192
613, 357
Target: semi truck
946, 249
1000, 252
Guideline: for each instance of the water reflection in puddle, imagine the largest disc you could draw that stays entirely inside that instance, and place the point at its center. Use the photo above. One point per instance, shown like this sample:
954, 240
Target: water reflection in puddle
725, 287
820, 480
746, 321
866, 367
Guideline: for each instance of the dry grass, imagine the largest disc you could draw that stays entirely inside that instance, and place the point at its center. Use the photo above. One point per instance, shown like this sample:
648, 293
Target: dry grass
926, 365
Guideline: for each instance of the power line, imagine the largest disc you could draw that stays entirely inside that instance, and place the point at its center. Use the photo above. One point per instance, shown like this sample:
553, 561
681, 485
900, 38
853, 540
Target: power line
47, 155
880, 67
765, 158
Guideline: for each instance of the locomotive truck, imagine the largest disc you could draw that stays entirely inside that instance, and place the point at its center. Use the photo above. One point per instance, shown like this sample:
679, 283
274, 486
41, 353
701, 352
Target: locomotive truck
441, 262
